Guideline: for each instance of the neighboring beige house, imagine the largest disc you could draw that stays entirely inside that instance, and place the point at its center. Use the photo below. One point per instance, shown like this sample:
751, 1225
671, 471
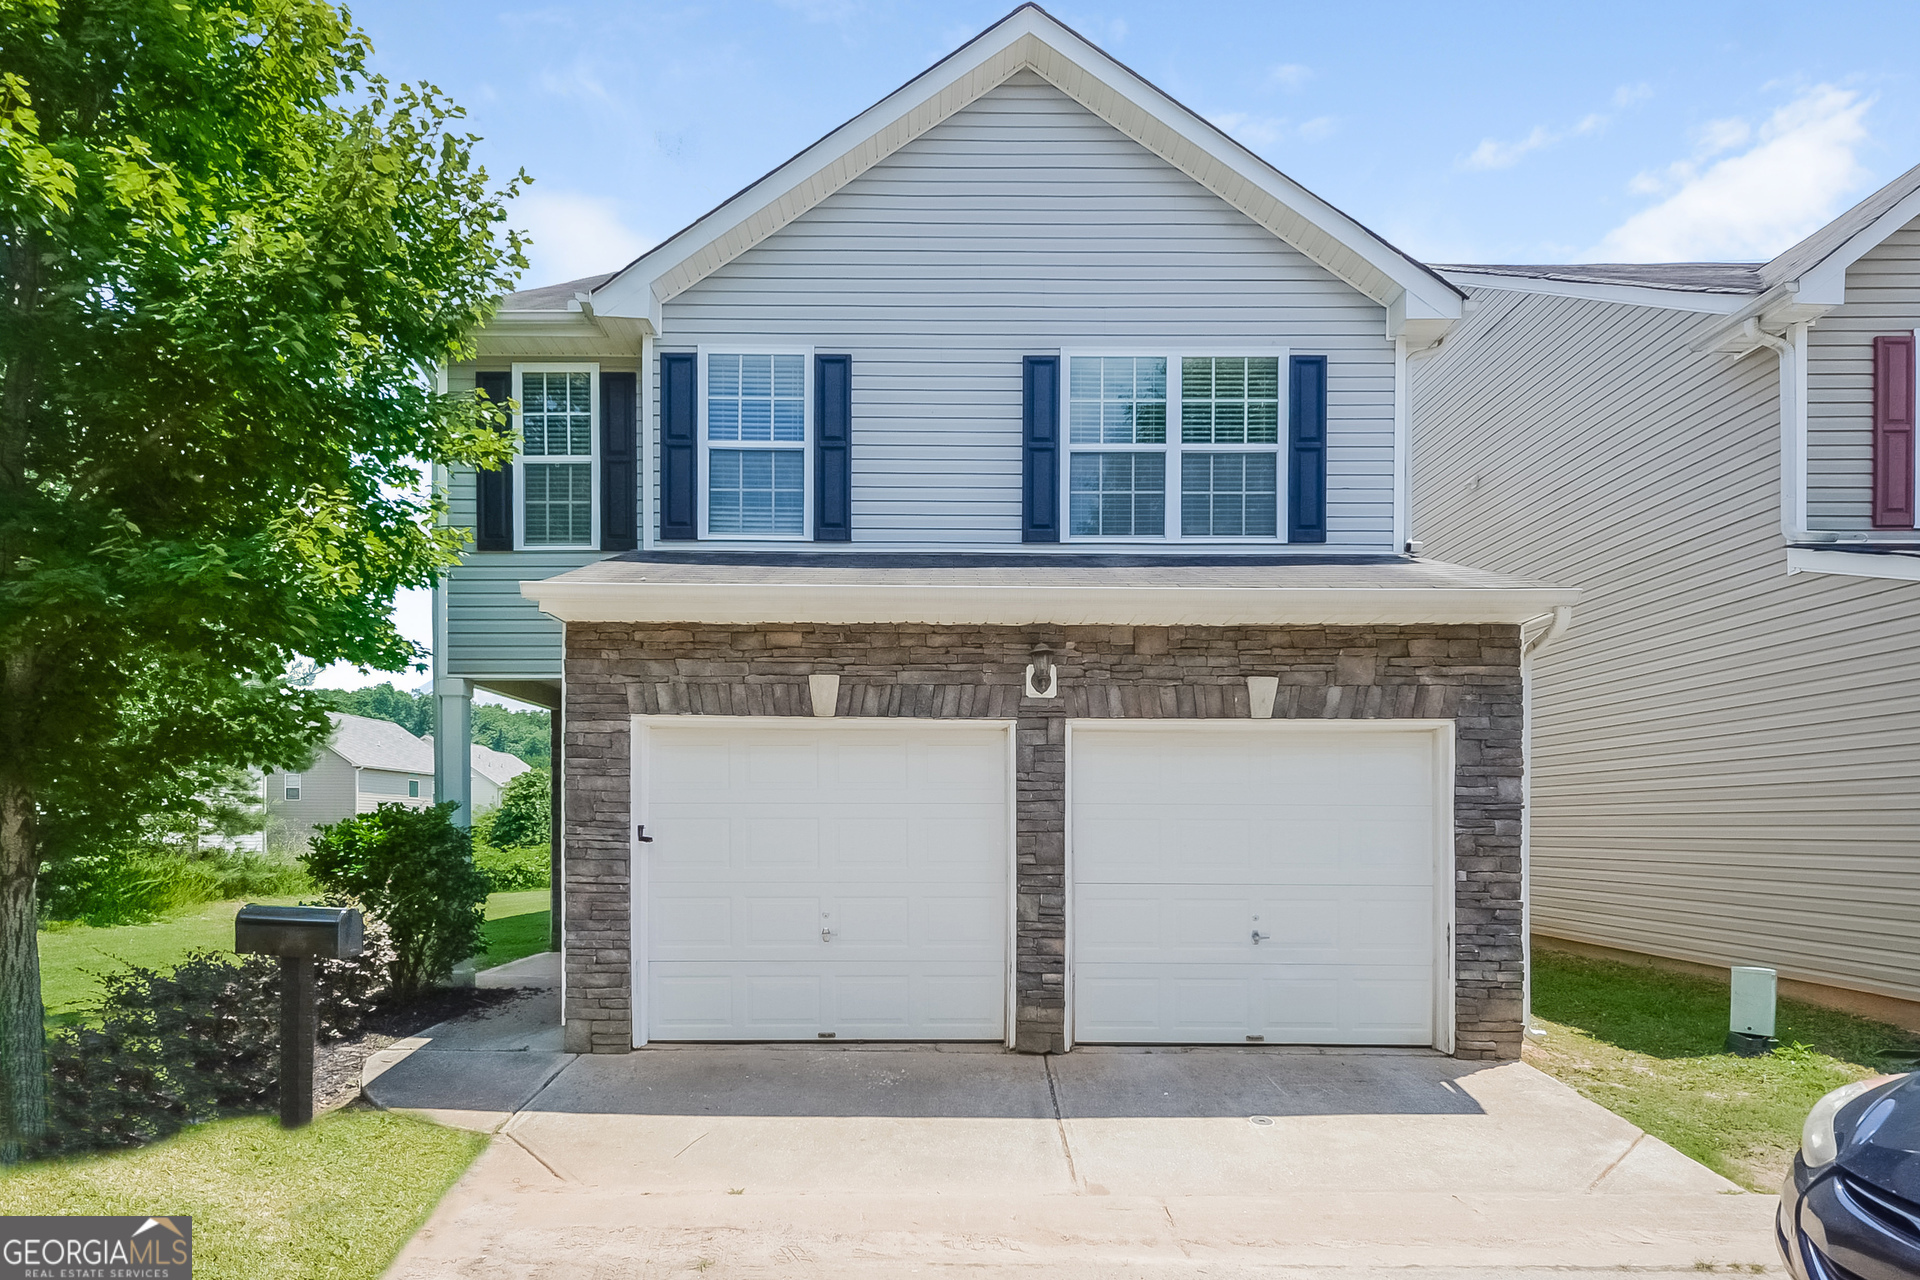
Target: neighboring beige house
1726, 748
365, 764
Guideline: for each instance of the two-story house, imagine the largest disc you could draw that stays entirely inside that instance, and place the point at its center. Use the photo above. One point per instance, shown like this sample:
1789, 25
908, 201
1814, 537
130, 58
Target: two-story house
970, 565
1726, 757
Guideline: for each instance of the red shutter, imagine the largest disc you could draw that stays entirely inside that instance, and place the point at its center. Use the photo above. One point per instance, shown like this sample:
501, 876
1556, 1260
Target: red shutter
1893, 405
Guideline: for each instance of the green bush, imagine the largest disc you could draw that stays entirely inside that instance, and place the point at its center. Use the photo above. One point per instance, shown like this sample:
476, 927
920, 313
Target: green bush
131, 886
528, 867
525, 815
187, 1045
413, 870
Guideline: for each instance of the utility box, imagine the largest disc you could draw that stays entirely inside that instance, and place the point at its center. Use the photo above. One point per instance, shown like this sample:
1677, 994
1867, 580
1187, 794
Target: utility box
319, 933
1750, 1023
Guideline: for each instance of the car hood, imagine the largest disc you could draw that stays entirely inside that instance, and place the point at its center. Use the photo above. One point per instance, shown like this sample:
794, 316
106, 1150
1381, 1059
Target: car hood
1882, 1138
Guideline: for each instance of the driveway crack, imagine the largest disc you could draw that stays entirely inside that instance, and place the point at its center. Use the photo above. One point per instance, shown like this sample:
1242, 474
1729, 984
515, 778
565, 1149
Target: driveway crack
1616, 1164
1059, 1123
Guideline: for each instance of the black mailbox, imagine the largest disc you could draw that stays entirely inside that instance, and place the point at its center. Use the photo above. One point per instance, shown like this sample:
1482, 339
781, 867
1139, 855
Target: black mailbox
299, 936
322, 933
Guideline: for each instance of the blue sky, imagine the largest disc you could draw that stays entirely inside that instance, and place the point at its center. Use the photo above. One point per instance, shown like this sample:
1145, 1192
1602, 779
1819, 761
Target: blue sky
1462, 132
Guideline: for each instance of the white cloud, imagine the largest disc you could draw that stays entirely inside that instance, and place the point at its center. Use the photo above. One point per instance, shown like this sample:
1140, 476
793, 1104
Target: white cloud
573, 235
1628, 94
1265, 131
1494, 154
1290, 75
1797, 176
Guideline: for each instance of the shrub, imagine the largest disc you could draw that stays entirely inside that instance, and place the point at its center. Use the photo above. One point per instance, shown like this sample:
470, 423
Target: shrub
193, 1044
413, 870
511, 869
525, 815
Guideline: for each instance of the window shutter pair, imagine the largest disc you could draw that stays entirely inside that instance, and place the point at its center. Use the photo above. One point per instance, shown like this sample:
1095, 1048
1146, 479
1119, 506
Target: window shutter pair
619, 470
680, 447
1893, 424
1306, 448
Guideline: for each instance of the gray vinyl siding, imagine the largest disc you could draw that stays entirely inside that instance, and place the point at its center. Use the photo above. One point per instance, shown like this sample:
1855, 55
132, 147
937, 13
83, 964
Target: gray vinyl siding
1022, 225
1883, 296
385, 786
1726, 760
327, 794
493, 630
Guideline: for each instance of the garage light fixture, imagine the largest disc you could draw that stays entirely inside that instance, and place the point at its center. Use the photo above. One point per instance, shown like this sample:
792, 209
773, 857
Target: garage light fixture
1043, 678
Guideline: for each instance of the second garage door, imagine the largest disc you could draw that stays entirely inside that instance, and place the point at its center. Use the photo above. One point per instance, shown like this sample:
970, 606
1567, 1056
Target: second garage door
807, 880
1255, 882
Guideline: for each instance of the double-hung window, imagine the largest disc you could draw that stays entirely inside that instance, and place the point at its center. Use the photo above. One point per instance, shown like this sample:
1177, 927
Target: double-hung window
755, 444
290, 786
558, 476
1174, 446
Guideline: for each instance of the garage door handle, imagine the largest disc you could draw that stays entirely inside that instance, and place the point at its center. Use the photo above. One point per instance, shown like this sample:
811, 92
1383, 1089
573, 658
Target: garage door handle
640, 834
826, 934
1259, 937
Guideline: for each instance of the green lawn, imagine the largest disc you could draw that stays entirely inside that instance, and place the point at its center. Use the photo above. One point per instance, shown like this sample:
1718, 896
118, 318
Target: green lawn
335, 1200
1648, 1045
71, 956
517, 926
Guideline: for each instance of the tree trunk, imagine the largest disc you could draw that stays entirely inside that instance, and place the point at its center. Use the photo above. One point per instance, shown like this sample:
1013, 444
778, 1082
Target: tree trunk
23, 1045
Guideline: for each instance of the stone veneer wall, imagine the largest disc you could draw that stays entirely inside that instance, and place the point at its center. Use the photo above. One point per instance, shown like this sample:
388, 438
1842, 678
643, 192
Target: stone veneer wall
1470, 674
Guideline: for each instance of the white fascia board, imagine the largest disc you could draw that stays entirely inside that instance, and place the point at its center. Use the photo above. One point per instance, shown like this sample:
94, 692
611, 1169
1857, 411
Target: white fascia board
1631, 295
1853, 564
1825, 284
757, 603
632, 292
1777, 310
581, 330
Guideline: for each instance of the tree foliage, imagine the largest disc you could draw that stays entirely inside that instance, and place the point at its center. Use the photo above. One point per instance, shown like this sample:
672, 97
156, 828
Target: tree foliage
413, 870
230, 257
525, 813
508, 729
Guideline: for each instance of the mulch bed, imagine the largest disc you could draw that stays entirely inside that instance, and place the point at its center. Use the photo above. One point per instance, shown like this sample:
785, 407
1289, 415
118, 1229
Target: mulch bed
336, 1067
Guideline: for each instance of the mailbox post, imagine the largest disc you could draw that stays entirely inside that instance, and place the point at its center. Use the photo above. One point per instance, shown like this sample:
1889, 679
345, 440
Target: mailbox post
299, 936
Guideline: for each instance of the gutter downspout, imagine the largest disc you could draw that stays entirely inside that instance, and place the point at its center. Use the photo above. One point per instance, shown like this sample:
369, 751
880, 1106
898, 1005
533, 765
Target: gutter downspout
1791, 351
1559, 623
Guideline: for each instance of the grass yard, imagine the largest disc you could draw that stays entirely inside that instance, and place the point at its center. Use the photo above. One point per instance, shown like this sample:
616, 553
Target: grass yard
73, 955
334, 1201
517, 926
1647, 1045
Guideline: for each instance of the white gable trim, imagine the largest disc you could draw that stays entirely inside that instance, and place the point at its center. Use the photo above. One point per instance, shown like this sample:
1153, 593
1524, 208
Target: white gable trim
1825, 283
1030, 38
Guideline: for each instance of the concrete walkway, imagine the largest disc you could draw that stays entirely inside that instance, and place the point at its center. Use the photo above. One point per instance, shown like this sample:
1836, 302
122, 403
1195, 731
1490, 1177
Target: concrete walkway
883, 1161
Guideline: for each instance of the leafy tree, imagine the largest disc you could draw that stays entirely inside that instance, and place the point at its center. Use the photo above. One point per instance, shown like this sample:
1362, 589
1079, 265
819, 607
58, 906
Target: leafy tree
518, 733
230, 258
525, 815
413, 870
411, 711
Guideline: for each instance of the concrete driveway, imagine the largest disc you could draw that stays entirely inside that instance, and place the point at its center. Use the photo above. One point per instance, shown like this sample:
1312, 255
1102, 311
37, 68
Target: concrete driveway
883, 1161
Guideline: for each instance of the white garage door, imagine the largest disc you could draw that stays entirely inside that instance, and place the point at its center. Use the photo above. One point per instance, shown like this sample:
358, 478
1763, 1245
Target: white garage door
823, 879
1254, 882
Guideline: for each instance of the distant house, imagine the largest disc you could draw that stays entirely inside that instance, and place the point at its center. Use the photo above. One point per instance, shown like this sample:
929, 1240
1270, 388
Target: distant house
365, 764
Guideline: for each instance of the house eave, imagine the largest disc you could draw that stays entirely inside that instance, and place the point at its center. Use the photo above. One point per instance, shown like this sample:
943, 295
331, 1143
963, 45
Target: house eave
946, 604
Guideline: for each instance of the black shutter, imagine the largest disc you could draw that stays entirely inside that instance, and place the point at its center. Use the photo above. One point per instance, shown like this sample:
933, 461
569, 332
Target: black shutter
493, 490
619, 463
679, 447
833, 448
1307, 450
1040, 434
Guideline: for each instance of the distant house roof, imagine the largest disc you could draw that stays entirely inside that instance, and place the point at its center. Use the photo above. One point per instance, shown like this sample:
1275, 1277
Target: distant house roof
497, 767
1693, 277
367, 743
553, 297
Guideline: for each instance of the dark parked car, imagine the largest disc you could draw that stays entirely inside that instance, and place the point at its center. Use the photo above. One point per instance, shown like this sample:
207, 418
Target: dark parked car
1851, 1207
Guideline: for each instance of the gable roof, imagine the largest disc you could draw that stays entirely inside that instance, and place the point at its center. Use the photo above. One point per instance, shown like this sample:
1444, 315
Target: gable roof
496, 767
1029, 38
1850, 235
367, 743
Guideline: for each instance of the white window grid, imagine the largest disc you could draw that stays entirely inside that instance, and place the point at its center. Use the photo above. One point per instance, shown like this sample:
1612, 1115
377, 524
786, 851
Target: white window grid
708, 446
591, 458
290, 786
1174, 450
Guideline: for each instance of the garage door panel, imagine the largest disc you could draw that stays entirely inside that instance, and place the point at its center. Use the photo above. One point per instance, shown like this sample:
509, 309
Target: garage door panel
893, 839
1187, 841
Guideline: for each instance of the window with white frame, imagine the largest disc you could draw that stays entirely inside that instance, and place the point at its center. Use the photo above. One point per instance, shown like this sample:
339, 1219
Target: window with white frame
413, 788
756, 444
290, 786
1216, 476
559, 413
